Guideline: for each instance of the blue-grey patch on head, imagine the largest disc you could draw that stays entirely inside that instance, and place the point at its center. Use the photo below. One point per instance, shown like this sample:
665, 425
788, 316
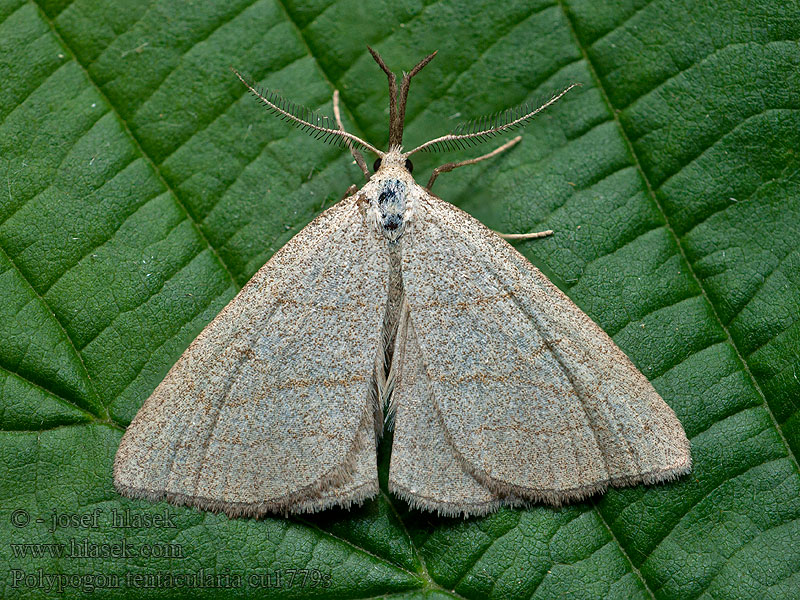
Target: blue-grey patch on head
391, 205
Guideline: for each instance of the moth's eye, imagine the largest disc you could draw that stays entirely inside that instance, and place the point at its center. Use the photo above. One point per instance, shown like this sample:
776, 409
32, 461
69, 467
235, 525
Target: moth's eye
409, 166
377, 164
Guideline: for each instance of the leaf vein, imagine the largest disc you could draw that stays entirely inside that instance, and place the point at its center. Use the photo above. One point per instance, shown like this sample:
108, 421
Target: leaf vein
138, 147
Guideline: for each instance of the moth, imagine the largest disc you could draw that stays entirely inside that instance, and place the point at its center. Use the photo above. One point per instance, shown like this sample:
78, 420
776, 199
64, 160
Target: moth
394, 305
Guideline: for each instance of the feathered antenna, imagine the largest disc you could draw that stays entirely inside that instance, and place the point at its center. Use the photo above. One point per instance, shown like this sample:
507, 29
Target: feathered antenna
319, 126
483, 128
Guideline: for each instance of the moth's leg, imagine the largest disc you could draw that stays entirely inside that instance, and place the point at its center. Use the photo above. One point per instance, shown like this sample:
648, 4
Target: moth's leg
525, 236
454, 165
350, 191
356, 154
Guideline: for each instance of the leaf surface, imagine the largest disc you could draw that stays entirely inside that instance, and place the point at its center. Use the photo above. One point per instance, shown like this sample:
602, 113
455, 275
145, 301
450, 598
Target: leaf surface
143, 187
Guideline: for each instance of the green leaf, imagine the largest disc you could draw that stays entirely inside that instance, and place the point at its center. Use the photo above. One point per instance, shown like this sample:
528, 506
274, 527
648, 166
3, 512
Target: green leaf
142, 187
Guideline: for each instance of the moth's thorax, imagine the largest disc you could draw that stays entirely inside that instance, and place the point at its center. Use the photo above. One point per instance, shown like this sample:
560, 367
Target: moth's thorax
389, 193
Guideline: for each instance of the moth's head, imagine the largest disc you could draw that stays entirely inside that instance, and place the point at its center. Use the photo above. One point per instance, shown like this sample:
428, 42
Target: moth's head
393, 162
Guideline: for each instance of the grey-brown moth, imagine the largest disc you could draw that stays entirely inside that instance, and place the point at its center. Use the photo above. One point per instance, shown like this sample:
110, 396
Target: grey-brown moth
395, 305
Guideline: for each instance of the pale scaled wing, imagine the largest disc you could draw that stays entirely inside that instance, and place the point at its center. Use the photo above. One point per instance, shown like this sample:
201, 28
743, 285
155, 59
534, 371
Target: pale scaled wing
270, 408
534, 400
425, 468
